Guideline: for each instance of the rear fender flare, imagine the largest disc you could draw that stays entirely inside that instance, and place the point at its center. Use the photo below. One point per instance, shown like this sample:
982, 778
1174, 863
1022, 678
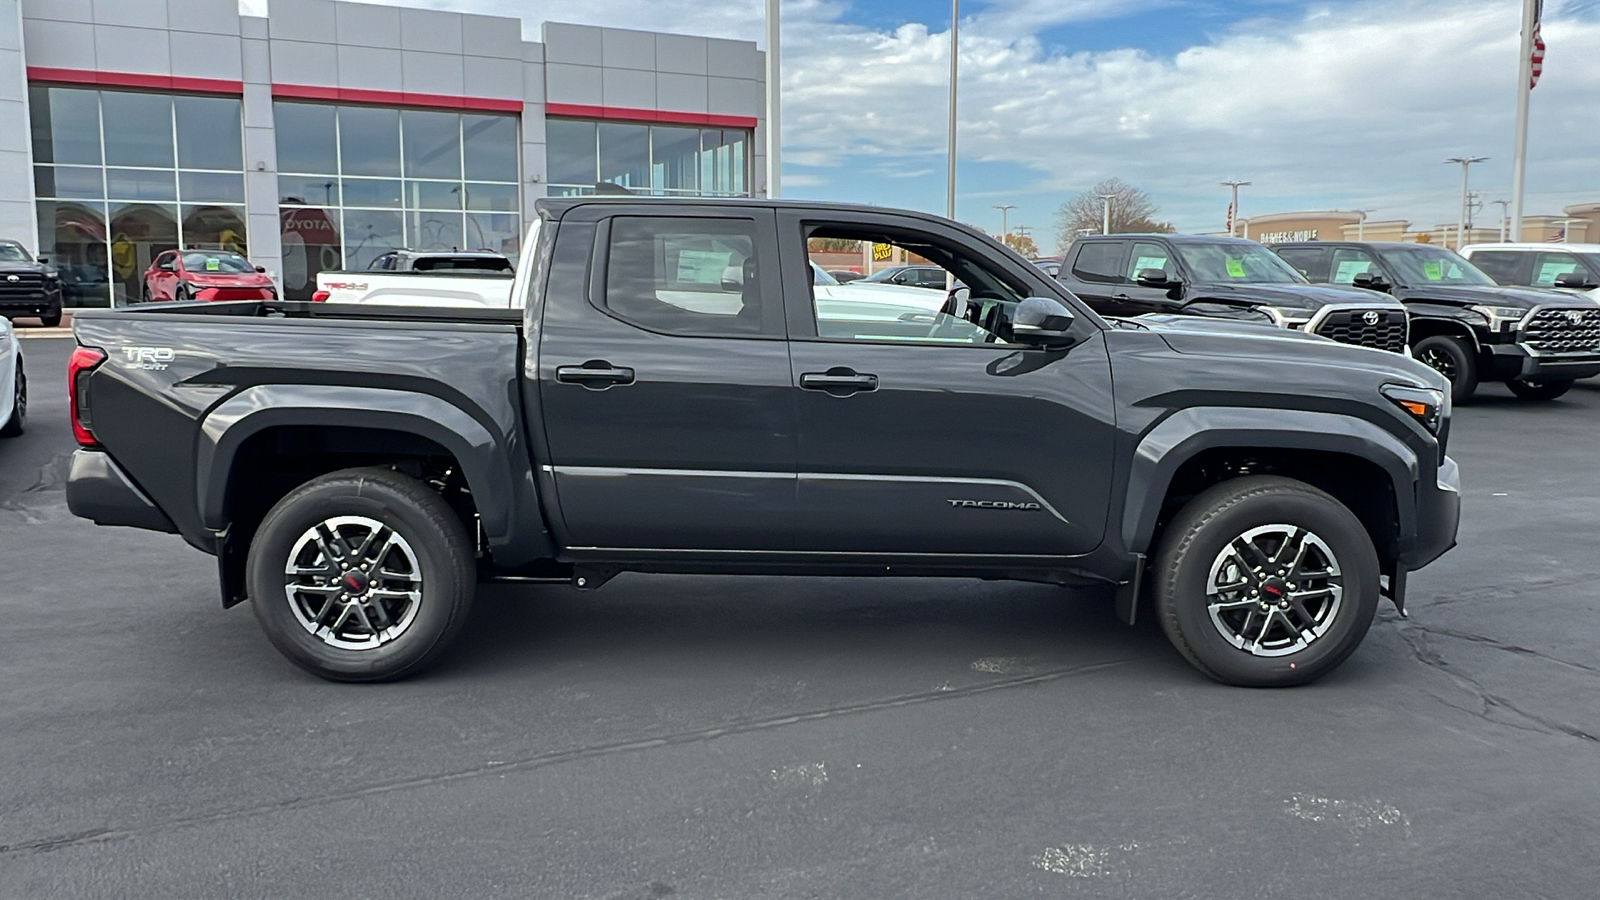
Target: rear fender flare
1179, 437
225, 429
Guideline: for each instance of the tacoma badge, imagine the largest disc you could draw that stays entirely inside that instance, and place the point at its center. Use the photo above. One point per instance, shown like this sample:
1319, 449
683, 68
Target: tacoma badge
995, 504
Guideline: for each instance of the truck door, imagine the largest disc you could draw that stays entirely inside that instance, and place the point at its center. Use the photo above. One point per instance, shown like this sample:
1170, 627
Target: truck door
664, 380
1134, 299
1093, 271
929, 432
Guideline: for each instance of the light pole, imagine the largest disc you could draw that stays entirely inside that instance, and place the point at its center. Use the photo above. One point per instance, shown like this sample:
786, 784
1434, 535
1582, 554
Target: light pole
1004, 209
950, 165
774, 76
1361, 223
1466, 163
1105, 212
1233, 204
1566, 228
1505, 206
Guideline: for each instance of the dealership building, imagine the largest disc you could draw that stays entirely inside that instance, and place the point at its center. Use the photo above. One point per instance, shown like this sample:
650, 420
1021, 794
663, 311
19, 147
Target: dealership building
328, 132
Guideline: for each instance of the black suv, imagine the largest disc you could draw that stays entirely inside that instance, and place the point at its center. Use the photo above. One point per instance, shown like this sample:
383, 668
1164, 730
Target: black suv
28, 287
1464, 324
1140, 274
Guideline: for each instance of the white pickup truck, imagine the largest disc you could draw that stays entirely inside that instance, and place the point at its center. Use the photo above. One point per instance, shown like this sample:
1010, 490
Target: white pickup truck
423, 278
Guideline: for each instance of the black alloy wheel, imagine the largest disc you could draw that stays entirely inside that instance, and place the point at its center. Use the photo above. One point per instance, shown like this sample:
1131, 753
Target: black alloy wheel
19, 411
1454, 358
1265, 582
361, 575
1539, 390
183, 294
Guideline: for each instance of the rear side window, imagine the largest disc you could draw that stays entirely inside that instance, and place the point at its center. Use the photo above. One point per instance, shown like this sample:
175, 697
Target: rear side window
1312, 262
1501, 265
1099, 262
685, 275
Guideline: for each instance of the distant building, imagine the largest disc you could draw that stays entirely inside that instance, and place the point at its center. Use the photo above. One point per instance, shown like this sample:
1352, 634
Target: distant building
1579, 223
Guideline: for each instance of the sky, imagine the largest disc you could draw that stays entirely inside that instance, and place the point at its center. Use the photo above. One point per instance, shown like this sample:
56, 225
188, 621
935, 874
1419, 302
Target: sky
1331, 104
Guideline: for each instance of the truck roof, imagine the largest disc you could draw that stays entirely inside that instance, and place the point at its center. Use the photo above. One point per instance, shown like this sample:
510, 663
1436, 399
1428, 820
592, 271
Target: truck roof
557, 206
1174, 238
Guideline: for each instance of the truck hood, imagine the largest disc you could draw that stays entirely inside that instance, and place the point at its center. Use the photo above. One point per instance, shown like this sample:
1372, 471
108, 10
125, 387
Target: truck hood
1169, 323
1475, 295
1250, 345
24, 268
1289, 296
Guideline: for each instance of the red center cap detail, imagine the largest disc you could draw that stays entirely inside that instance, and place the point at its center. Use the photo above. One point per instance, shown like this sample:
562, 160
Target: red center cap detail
355, 581
1274, 587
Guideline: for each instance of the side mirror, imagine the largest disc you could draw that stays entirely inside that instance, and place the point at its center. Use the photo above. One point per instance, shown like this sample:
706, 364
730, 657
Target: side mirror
261, 269
1042, 322
1571, 280
1156, 278
1372, 281
41, 260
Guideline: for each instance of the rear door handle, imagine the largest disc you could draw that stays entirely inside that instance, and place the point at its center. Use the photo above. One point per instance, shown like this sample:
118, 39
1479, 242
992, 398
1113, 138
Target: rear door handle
596, 375
839, 381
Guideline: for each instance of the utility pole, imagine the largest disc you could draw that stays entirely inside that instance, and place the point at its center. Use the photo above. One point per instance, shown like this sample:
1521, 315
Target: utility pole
1105, 212
774, 98
950, 164
1519, 145
1504, 215
1233, 204
1461, 224
1004, 209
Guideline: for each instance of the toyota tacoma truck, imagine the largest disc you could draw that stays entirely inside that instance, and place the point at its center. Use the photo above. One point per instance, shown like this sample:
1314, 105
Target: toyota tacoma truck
358, 470
1130, 275
1463, 324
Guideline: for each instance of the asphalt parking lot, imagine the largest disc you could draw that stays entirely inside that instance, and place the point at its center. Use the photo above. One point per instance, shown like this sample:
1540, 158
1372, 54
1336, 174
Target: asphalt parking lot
762, 737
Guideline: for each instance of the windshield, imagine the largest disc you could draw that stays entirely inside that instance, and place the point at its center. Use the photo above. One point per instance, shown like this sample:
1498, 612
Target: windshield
1230, 261
882, 275
10, 252
223, 263
820, 277
1432, 265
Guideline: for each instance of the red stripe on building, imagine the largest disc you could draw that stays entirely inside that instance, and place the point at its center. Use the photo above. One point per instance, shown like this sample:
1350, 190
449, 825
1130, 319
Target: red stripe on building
44, 75
666, 117
394, 98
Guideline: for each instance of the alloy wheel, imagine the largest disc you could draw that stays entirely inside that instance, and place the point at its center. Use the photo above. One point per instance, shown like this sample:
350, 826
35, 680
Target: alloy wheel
1274, 590
354, 582
1439, 361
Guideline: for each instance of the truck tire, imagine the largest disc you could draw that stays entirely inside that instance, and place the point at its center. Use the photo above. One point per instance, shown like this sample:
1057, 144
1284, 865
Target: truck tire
19, 408
1224, 605
1539, 390
342, 605
51, 320
1454, 358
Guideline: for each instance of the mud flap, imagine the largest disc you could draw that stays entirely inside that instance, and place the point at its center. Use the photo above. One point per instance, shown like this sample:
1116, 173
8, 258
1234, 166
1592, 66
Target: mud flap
1128, 592
230, 568
1395, 590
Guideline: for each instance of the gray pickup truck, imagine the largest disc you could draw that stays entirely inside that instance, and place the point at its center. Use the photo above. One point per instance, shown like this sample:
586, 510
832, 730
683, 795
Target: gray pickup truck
672, 396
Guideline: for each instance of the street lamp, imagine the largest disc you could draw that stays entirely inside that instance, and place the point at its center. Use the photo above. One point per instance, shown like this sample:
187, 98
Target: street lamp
1505, 216
1361, 222
1105, 212
1004, 209
950, 164
774, 76
1233, 204
1566, 228
1466, 163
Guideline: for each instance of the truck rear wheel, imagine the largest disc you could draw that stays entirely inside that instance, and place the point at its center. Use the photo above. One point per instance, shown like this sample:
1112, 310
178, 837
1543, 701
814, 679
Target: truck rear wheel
1265, 582
1454, 358
361, 575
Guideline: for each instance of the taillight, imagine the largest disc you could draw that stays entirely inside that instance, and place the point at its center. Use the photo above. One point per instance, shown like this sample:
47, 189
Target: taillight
82, 362
319, 297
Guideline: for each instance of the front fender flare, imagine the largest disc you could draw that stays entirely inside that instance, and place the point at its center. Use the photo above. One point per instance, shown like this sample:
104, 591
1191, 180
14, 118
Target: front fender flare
1181, 436
225, 428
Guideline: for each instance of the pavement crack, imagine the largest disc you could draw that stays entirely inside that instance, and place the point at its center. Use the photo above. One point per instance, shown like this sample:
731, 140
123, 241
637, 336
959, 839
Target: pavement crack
1502, 645
556, 757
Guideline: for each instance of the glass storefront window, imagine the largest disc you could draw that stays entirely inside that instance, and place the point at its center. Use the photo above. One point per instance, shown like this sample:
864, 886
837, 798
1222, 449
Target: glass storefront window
171, 166
383, 179
668, 160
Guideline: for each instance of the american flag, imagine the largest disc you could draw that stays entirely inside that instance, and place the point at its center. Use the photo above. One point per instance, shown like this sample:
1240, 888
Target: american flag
1538, 46
1560, 237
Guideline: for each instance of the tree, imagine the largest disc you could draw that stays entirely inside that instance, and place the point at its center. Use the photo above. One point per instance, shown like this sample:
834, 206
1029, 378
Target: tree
1132, 212
1021, 243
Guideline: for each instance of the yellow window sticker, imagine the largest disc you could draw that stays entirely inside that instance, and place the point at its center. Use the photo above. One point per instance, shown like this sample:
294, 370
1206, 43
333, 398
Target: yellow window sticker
1432, 269
213, 264
1550, 271
1235, 267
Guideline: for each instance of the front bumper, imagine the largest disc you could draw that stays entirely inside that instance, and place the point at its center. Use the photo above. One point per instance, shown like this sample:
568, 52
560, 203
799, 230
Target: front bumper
36, 305
1438, 516
1519, 361
98, 490
224, 294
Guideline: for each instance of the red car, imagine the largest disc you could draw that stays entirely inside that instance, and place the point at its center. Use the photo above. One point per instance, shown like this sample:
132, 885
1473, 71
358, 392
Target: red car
205, 275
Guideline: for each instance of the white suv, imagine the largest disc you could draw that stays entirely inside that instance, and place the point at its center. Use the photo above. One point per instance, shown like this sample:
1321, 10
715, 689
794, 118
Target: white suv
1566, 267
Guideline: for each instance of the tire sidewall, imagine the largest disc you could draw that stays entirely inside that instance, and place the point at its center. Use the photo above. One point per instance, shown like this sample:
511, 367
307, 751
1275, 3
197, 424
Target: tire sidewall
1539, 391
441, 591
1326, 518
1465, 382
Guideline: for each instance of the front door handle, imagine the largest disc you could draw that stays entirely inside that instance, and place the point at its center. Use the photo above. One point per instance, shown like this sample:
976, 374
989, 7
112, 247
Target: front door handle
1120, 297
596, 375
839, 381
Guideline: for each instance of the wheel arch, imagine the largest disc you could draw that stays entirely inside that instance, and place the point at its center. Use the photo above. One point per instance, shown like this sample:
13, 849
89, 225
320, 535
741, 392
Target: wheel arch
1425, 326
1366, 468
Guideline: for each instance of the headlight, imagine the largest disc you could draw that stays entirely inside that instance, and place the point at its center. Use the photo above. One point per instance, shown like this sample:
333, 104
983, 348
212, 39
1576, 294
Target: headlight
1501, 318
1429, 407
1287, 317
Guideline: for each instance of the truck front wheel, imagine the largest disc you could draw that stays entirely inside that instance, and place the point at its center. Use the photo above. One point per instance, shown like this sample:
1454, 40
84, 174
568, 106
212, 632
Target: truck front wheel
1454, 358
1539, 390
1265, 582
361, 575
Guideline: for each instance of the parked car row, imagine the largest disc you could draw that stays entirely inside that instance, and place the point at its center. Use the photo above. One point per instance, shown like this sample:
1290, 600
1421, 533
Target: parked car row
28, 286
1401, 297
